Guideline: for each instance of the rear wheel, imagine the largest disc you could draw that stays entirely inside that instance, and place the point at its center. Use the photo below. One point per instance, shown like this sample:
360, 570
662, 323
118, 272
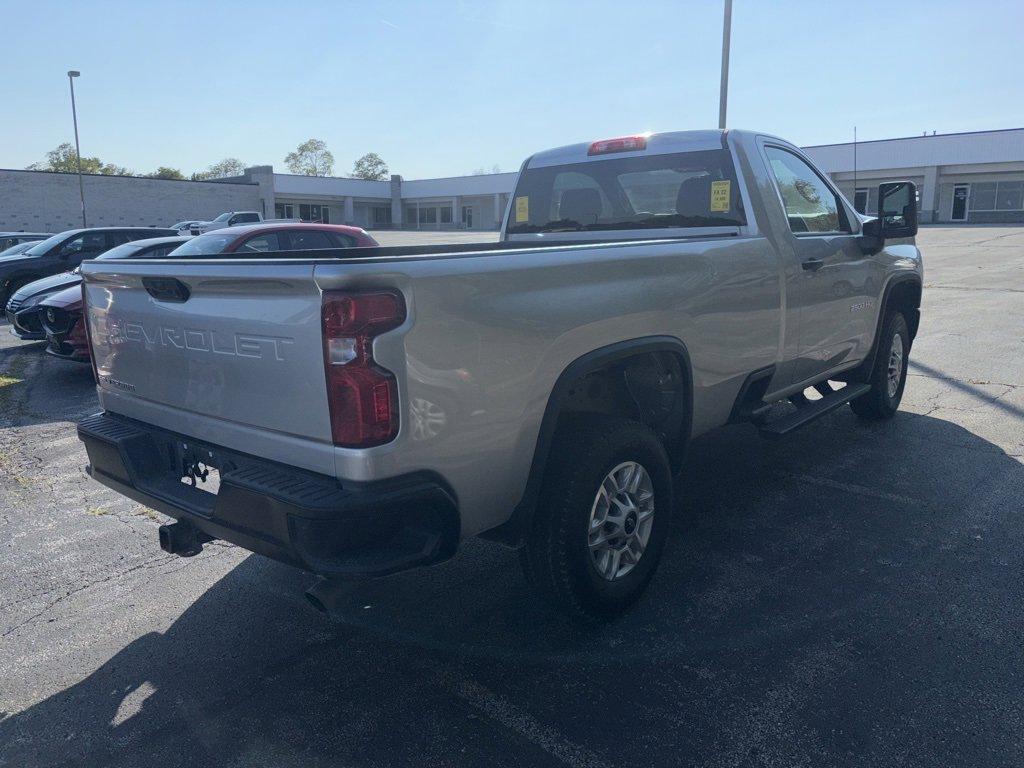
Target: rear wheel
889, 375
604, 513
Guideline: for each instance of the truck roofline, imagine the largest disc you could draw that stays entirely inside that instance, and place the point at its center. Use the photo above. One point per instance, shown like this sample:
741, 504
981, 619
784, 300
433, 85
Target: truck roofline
664, 143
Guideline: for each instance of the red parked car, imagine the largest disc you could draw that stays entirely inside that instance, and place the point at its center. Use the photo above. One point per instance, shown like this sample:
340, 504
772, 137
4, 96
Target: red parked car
61, 318
267, 238
61, 313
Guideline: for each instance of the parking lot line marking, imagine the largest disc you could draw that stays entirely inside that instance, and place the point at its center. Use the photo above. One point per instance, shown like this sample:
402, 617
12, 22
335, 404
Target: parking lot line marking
501, 710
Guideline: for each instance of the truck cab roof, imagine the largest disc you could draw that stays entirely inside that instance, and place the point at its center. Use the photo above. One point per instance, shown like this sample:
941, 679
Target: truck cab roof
656, 143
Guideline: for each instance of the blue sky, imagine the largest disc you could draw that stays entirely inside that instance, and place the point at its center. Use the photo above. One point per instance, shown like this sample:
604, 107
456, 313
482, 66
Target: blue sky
442, 88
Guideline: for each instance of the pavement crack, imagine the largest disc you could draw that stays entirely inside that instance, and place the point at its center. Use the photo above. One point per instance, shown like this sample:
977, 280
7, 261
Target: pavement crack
151, 563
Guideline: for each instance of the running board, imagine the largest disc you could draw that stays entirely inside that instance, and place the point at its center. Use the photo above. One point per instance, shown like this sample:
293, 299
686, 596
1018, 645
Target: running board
812, 410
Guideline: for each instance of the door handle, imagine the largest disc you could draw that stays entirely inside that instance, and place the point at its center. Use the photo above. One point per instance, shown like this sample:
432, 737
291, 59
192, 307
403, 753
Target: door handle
813, 265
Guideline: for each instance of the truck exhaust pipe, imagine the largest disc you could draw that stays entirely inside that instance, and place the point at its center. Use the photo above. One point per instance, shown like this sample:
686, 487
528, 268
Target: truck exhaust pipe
324, 597
182, 539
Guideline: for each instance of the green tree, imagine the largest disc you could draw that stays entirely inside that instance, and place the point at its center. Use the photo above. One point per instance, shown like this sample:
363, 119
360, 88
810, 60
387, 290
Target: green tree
62, 159
370, 166
164, 172
229, 166
310, 158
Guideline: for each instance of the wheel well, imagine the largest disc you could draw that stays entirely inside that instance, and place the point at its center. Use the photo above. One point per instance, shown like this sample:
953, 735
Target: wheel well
647, 379
651, 387
906, 297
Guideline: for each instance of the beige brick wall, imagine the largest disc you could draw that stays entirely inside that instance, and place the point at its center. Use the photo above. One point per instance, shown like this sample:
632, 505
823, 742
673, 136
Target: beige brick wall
49, 202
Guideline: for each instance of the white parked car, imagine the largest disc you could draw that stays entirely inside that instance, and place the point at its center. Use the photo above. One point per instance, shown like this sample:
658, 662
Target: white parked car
185, 227
226, 219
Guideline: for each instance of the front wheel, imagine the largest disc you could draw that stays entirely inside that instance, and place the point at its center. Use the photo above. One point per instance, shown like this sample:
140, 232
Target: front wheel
889, 375
604, 513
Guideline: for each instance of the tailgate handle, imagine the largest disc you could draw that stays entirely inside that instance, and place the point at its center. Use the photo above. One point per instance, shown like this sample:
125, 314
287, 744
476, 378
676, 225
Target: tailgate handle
166, 289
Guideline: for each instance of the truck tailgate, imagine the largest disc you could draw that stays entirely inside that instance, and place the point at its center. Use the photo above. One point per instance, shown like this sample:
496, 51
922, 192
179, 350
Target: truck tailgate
236, 344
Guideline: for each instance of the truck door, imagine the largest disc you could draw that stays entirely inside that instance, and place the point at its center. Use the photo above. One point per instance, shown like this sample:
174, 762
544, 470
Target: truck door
833, 284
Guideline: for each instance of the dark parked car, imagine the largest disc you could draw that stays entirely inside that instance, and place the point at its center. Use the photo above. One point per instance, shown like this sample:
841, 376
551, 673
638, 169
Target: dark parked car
60, 314
14, 250
9, 239
61, 317
53, 256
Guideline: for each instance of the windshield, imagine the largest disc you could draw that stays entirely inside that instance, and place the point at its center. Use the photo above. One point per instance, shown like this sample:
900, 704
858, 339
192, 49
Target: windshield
685, 189
14, 250
224, 216
120, 252
44, 245
204, 245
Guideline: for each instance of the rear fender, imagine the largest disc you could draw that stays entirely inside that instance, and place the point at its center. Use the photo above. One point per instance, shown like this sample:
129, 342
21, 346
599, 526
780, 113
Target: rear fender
576, 372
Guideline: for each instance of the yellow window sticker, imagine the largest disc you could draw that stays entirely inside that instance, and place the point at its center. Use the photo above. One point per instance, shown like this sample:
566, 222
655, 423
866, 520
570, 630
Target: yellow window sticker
720, 194
522, 209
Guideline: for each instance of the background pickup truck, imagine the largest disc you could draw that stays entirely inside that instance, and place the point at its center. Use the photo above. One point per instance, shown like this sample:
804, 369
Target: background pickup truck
226, 219
362, 412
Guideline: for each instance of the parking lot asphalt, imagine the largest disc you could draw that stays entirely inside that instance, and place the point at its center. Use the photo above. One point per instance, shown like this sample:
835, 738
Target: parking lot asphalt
851, 595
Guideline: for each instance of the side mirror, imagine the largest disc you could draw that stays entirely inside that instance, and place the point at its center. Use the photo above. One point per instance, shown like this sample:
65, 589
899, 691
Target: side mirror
897, 209
897, 216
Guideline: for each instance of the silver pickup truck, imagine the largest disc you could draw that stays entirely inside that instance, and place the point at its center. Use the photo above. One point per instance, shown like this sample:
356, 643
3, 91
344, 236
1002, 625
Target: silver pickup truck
361, 412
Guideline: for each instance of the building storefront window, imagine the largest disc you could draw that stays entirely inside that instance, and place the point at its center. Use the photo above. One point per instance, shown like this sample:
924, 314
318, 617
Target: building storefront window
320, 214
860, 200
997, 196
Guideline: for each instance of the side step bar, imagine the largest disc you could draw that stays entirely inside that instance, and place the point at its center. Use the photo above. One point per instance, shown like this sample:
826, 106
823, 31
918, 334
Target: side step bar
810, 410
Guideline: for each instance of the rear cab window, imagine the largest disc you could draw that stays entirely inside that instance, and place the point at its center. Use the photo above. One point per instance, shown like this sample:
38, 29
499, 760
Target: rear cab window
661, 191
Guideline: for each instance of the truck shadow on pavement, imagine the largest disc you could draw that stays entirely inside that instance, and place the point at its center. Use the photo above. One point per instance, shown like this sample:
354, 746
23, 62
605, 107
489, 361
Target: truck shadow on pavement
852, 594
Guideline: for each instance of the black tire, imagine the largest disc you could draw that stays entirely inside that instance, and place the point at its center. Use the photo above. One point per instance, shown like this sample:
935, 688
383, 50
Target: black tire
878, 403
556, 555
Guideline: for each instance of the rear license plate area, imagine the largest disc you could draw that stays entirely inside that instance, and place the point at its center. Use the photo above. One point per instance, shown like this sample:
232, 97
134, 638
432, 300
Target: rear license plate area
200, 468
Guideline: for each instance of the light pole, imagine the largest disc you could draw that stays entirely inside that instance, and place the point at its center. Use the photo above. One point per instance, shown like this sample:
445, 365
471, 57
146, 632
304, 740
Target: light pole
72, 74
723, 94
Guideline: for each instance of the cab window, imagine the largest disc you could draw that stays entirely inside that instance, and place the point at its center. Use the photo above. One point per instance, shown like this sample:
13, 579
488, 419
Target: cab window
682, 189
811, 205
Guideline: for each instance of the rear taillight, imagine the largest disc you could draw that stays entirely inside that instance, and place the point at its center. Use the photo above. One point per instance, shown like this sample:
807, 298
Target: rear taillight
363, 396
621, 144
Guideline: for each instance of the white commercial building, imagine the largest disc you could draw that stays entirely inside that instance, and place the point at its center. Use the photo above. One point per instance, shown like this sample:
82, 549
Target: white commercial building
961, 177
458, 202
